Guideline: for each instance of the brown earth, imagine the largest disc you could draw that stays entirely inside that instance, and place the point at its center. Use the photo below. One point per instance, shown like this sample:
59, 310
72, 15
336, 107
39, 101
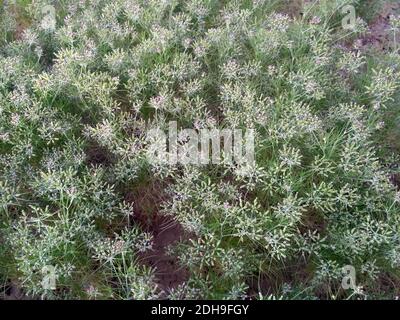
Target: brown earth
379, 36
166, 232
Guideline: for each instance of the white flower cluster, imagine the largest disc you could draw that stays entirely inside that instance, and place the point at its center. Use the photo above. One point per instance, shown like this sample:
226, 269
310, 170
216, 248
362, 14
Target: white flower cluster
79, 192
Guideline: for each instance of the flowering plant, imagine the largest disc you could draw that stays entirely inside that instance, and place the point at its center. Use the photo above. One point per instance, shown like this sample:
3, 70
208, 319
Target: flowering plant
79, 191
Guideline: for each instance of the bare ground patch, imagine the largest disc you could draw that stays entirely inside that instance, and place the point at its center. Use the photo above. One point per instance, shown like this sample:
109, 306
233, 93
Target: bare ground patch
379, 36
166, 232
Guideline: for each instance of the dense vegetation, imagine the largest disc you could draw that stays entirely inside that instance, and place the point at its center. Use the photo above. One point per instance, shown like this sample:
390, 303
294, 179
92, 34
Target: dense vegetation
79, 193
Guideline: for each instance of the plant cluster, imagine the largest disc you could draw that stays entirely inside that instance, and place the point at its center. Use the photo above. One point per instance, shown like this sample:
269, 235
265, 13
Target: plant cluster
76, 103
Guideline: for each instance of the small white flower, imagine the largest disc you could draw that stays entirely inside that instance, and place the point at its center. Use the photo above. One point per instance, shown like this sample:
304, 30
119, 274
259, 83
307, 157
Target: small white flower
315, 20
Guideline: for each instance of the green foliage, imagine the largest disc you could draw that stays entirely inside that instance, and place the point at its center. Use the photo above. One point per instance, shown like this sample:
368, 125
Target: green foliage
76, 103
